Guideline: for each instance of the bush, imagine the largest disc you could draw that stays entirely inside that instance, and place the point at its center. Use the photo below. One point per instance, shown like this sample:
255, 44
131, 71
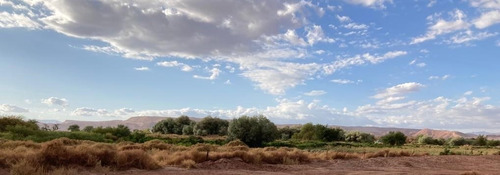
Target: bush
180, 125
493, 143
12, 121
356, 136
74, 128
481, 140
457, 141
394, 138
287, 132
253, 131
211, 126
319, 132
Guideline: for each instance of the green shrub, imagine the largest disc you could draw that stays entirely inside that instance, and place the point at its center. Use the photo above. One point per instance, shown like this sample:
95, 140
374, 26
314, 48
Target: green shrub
394, 138
211, 126
319, 132
253, 131
356, 136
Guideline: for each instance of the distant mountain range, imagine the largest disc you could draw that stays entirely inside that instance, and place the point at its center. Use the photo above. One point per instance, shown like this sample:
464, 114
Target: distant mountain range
147, 122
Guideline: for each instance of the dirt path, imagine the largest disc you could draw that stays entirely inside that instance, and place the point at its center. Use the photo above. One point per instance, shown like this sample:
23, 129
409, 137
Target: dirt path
390, 165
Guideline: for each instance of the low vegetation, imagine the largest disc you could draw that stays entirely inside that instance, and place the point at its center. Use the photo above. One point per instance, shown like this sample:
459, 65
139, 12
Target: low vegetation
26, 148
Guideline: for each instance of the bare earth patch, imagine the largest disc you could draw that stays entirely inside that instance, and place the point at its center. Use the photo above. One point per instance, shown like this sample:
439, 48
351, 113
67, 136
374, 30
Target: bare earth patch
382, 165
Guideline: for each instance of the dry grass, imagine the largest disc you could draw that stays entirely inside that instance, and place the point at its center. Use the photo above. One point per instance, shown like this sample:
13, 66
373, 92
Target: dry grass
65, 156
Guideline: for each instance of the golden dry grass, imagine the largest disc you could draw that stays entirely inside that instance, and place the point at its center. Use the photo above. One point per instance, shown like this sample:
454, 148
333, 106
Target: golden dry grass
65, 156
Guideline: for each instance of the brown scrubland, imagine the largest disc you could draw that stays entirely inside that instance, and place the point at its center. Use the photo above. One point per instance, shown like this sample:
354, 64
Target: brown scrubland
66, 156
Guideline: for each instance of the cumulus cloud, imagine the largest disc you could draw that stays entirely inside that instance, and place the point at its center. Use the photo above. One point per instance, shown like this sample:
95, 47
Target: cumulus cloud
315, 93
467, 36
55, 101
360, 60
143, 68
434, 77
286, 111
174, 28
355, 26
487, 19
315, 34
215, 73
399, 90
378, 4
442, 26
342, 81
343, 18
13, 20
84, 111
6, 108
184, 67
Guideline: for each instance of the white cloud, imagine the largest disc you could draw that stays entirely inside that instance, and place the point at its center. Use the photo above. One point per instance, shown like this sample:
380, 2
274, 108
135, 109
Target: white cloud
143, 68
467, 36
468, 93
55, 101
442, 26
389, 55
370, 3
13, 20
399, 90
319, 52
215, 73
343, 18
315, 93
277, 76
487, 19
431, 3
444, 77
294, 39
360, 60
123, 112
84, 111
228, 82
189, 28
315, 34
420, 64
6, 108
286, 111
184, 67
342, 81
355, 26
486, 4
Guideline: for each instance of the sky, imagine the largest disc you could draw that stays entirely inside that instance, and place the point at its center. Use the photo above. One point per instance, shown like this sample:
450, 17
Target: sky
409, 64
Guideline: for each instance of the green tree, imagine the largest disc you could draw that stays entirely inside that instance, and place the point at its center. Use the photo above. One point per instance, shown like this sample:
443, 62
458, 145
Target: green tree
394, 138
253, 131
319, 132
88, 128
74, 128
457, 141
287, 132
6, 121
481, 140
356, 136
168, 126
211, 126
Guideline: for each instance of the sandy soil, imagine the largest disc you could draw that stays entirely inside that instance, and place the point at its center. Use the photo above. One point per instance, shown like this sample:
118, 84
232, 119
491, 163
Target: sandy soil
390, 165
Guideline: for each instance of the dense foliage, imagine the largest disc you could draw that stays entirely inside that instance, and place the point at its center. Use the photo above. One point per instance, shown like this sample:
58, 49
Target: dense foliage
394, 138
253, 131
211, 126
356, 136
319, 132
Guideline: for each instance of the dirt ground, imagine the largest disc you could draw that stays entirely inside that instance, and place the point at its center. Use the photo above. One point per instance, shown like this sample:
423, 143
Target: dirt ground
374, 166
384, 165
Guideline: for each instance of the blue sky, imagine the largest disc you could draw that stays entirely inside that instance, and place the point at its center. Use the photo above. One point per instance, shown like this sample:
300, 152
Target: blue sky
412, 64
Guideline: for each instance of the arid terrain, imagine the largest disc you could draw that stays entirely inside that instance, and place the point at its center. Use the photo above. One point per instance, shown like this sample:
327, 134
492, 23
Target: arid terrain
382, 165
